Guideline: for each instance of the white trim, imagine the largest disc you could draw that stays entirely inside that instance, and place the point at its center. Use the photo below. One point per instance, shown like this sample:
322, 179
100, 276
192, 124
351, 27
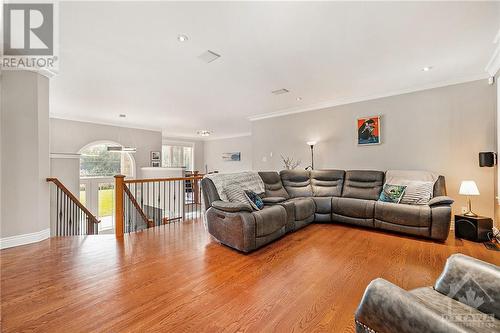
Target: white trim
493, 65
65, 155
18, 240
350, 100
53, 115
229, 136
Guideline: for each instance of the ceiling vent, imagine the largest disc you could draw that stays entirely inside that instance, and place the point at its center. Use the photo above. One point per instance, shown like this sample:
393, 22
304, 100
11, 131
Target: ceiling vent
280, 91
209, 56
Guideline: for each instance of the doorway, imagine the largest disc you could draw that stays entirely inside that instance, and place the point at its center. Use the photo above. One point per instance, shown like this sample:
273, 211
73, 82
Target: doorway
98, 166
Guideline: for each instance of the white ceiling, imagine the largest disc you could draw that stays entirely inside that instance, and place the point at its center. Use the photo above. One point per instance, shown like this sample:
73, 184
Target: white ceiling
124, 57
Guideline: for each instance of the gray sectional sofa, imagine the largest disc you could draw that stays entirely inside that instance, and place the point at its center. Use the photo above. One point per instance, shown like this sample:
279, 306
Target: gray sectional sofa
295, 198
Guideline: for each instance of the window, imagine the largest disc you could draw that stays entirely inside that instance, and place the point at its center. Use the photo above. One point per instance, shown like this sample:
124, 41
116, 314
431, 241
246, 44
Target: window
177, 156
97, 161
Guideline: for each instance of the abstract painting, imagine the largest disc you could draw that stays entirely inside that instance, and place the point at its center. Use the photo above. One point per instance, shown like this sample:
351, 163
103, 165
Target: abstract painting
368, 130
231, 157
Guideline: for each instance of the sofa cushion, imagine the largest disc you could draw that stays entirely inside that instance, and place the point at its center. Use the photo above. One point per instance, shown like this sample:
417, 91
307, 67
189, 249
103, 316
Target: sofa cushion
327, 183
408, 215
269, 220
351, 207
273, 185
297, 183
236, 194
304, 208
363, 184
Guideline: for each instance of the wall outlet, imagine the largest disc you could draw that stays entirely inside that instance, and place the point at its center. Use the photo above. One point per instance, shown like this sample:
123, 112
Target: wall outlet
464, 210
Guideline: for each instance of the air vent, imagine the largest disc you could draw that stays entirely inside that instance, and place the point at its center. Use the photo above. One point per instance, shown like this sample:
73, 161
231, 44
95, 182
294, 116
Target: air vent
209, 56
280, 91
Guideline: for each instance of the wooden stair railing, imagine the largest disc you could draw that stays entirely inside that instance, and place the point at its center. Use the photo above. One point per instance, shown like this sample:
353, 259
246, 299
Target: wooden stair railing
145, 203
72, 217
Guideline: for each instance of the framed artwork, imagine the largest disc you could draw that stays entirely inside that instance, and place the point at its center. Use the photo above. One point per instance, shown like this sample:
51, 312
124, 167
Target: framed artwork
231, 157
155, 164
155, 156
368, 130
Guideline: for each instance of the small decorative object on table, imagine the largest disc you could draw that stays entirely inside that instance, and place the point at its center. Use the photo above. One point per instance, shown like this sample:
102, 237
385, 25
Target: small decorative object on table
289, 162
155, 156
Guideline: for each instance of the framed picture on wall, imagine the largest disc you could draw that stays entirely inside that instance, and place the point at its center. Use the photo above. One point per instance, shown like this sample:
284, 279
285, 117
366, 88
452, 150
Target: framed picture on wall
231, 157
155, 164
368, 130
155, 156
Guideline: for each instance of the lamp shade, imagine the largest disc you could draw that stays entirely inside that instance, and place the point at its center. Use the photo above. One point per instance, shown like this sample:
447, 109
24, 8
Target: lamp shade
468, 187
311, 143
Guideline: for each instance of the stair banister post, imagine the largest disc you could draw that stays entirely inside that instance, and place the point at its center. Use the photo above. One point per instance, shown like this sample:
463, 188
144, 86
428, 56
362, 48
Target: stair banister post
119, 191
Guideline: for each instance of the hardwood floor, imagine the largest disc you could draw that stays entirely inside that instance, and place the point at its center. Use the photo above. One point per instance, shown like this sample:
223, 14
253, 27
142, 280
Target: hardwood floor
177, 279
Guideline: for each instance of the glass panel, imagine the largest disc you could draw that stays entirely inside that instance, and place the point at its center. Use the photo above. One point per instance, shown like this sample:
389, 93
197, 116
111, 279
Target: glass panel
83, 194
106, 201
188, 158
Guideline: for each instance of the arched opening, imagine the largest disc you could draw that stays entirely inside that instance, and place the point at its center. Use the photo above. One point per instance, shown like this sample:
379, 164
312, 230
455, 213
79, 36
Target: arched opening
98, 166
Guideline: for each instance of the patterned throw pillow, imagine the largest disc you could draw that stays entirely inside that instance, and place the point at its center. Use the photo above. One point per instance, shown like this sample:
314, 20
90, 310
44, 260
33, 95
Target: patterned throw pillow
418, 193
392, 193
235, 193
254, 199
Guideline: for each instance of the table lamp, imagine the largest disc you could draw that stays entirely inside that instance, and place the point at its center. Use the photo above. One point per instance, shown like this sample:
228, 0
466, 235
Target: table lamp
468, 188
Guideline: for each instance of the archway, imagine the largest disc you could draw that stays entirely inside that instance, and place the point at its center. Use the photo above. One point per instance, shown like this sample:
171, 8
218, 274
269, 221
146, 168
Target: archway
98, 166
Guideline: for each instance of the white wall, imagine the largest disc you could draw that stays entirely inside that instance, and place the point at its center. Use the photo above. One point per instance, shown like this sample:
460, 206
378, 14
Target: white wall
215, 148
25, 157
68, 136
441, 129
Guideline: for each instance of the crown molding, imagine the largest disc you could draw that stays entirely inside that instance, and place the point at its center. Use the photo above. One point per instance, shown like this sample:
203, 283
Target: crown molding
350, 100
224, 137
104, 123
493, 65
17, 240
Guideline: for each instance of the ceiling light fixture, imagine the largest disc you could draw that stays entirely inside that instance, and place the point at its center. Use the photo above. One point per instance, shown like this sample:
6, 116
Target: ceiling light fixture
299, 99
426, 69
280, 91
203, 132
122, 115
182, 38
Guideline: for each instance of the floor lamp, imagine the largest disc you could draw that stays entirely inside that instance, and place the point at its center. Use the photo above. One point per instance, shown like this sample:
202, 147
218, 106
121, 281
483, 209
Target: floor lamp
311, 144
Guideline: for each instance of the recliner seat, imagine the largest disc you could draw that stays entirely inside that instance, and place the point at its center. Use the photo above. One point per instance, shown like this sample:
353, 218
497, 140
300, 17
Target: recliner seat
295, 198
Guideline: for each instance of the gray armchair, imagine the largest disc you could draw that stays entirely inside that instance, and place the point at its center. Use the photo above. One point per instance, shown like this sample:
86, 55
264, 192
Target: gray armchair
465, 298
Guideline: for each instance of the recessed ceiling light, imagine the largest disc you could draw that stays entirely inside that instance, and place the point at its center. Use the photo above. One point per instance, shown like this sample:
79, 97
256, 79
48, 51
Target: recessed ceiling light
122, 115
299, 99
426, 69
203, 132
182, 38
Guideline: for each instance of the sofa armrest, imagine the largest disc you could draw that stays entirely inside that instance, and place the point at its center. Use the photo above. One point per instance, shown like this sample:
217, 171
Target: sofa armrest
387, 308
234, 229
272, 200
461, 273
441, 200
231, 207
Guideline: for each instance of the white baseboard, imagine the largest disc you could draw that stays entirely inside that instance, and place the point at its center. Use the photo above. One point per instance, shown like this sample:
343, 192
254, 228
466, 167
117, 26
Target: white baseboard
33, 237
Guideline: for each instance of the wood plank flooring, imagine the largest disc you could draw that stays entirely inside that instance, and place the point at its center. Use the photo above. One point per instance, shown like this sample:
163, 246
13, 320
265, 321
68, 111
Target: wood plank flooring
175, 278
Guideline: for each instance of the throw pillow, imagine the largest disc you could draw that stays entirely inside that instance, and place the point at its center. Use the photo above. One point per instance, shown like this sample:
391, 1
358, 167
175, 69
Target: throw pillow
234, 193
254, 199
392, 193
418, 193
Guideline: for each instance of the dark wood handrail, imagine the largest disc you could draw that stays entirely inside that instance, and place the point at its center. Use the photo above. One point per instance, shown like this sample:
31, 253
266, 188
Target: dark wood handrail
74, 199
146, 220
154, 180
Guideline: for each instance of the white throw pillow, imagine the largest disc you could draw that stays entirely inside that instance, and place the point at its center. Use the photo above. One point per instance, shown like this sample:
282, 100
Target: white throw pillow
418, 192
235, 193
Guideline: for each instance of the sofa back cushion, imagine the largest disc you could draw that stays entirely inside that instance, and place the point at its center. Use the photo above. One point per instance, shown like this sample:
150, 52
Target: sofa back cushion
273, 185
297, 183
327, 183
363, 184
440, 187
